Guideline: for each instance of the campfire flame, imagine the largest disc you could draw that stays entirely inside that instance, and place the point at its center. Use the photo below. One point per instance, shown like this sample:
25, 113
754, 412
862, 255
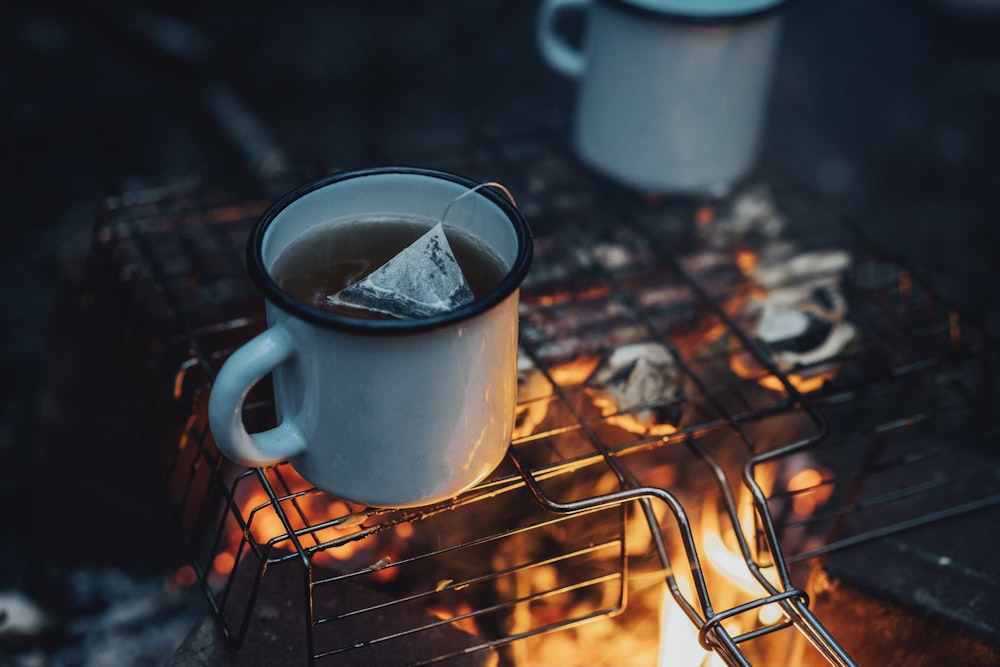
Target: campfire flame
575, 372
325, 525
316, 520
669, 638
803, 384
729, 578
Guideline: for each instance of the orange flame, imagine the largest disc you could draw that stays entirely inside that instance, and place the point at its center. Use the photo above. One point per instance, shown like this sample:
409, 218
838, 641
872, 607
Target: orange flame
730, 580
808, 491
747, 261
803, 384
316, 520
574, 373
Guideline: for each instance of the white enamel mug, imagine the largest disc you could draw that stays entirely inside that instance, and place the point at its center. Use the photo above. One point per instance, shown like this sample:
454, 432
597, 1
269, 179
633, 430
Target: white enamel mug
671, 94
385, 413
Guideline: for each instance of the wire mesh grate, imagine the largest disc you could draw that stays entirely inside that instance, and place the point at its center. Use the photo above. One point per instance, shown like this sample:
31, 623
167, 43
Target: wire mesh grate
597, 521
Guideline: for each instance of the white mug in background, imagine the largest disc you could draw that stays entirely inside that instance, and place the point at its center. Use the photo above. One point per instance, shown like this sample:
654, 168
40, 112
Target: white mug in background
671, 94
381, 412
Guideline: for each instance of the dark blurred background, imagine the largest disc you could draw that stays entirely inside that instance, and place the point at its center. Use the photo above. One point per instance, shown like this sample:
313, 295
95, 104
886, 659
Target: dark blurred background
890, 110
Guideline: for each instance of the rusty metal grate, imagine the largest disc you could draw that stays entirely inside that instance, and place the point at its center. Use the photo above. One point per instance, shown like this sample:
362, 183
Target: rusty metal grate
596, 512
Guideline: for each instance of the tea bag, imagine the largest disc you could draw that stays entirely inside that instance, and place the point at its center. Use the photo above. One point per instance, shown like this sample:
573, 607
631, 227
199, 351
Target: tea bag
423, 279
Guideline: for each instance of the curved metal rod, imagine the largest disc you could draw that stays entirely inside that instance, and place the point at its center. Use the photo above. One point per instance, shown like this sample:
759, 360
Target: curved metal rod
617, 498
717, 620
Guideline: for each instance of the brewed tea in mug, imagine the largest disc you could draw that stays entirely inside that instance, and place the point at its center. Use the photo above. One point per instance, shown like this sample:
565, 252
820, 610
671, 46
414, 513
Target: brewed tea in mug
329, 259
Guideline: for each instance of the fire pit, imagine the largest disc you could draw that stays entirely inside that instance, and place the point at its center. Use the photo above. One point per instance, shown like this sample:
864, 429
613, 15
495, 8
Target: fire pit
727, 410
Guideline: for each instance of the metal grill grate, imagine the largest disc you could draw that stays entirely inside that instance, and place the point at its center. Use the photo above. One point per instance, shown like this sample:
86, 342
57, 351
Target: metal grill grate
596, 511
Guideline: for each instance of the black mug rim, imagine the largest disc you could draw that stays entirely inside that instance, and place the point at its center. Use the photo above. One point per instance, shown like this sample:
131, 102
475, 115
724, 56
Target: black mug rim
266, 284
693, 18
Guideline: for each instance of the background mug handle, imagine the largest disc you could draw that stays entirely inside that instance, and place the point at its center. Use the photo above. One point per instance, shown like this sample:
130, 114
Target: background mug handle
244, 368
556, 51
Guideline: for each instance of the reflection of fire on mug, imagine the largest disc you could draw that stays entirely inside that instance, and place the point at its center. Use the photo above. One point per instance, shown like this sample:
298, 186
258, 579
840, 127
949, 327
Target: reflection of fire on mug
672, 93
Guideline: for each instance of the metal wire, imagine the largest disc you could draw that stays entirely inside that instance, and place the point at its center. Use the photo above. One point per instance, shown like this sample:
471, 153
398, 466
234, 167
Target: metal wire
170, 261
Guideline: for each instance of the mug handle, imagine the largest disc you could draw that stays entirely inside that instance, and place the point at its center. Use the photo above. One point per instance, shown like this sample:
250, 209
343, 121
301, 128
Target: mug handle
556, 51
244, 368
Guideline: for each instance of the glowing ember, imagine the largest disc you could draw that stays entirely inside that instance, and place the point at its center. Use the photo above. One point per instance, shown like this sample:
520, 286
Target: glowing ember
186, 576
576, 372
747, 261
704, 215
802, 384
638, 388
461, 617
798, 315
808, 491
224, 563
318, 522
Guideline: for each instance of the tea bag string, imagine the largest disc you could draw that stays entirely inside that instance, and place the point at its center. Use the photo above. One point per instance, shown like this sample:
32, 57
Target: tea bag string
492, 184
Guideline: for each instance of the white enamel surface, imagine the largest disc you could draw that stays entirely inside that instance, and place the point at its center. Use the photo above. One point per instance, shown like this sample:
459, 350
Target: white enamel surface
245, 367
672, 107
393, 421
387, 420
557, 52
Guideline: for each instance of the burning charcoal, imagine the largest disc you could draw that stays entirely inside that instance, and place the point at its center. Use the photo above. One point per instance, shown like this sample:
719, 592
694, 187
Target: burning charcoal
804, 334
687, 318
423, 279
817, 267
720, 274
711, 263
613, 256
801, 319
562, 321
642, 380
676, 313
666, 297
672, 303
580, 328
591, 341
750, 220
618, 249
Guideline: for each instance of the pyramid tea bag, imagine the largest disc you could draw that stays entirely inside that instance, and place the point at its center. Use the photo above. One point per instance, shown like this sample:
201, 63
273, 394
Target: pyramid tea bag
424, 279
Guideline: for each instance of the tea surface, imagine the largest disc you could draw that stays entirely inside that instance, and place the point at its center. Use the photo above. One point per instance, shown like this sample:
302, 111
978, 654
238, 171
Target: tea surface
326, 260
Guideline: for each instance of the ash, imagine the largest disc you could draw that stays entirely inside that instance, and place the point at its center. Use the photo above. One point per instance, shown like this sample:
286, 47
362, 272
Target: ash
100, 617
